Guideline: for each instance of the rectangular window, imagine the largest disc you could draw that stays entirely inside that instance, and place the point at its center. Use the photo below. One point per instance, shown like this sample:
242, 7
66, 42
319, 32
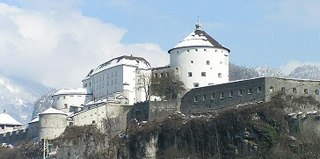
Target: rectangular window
231, 94
219, 75
213, 96
204, 97
189, 74
208, 62
203, 74
191, 61
250, 91
240, 92
221, 95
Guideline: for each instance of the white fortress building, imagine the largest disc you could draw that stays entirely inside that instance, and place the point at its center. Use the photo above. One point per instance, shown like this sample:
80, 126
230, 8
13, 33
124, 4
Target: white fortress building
123, 74
70, 100
199, 60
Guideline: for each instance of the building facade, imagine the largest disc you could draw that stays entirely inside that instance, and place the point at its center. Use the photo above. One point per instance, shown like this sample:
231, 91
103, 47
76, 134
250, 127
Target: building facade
67, 100
122, 74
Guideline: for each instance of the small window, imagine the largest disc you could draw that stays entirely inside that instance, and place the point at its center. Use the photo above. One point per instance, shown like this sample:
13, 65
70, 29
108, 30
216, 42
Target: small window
219, 75
167, 74
221, 95
161, 75
203, 74
240, 92
294, 90
65, 105
195, 98
283, 89
250, 91
306, 91
259, 89
213, 96
195, 85
316, 91
191, 61
188, 50
208, 62
64, 97
204, 97
196, 49
204, 49
271, 89
155, 75
231, 94
189, 74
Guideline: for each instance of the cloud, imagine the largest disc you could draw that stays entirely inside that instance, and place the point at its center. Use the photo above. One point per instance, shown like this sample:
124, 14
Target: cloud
58, 48
296, 12
291, 65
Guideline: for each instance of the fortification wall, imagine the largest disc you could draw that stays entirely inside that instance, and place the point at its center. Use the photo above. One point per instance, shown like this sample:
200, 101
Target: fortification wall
246, 91
15, 137
153, 110
218, 96
295, 87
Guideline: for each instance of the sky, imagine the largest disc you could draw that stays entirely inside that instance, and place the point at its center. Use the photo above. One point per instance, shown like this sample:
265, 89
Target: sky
57, 42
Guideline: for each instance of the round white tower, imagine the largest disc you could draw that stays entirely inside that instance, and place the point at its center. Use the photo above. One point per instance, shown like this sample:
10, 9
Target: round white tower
199, 60
52, 123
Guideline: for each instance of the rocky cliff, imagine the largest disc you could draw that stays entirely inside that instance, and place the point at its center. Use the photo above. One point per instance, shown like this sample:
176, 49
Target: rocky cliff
286, 127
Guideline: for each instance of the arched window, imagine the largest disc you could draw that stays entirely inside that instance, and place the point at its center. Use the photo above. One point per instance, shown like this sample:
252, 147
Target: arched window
271, 88
306, 91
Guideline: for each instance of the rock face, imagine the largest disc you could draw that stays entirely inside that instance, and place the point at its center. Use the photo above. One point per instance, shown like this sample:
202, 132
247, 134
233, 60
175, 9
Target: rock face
286, 127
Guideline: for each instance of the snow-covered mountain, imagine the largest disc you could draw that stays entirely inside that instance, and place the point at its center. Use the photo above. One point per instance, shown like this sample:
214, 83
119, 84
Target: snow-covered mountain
306, 72
17, 96
241, 72
43, 103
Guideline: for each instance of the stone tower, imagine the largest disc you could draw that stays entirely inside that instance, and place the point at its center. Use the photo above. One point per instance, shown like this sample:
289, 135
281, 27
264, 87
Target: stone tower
199, 60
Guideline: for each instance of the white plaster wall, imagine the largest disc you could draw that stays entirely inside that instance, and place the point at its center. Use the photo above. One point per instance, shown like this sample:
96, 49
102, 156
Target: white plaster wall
194, 59
63, 102
108, 81
129, 78
87, 117
8, 128
52, 125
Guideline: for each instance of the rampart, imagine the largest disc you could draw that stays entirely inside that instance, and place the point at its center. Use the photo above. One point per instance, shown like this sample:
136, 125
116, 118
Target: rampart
15, 137
153, 110
245, 91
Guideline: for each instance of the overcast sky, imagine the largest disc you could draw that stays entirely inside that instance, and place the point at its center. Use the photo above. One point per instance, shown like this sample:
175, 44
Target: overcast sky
57, 42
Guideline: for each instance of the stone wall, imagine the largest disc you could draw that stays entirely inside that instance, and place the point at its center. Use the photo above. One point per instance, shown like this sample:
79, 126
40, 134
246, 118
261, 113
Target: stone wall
15, 137
246, 91
153, 110
218, 96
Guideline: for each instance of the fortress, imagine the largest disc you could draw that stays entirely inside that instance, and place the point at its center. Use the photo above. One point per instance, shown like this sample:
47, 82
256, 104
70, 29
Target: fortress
117, 91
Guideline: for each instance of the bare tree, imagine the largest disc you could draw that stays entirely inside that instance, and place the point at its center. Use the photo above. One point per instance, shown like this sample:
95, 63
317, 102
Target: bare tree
167, 87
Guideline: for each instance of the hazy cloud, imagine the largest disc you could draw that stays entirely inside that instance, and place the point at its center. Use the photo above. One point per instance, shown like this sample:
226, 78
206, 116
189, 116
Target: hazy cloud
59, 48
296, 12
